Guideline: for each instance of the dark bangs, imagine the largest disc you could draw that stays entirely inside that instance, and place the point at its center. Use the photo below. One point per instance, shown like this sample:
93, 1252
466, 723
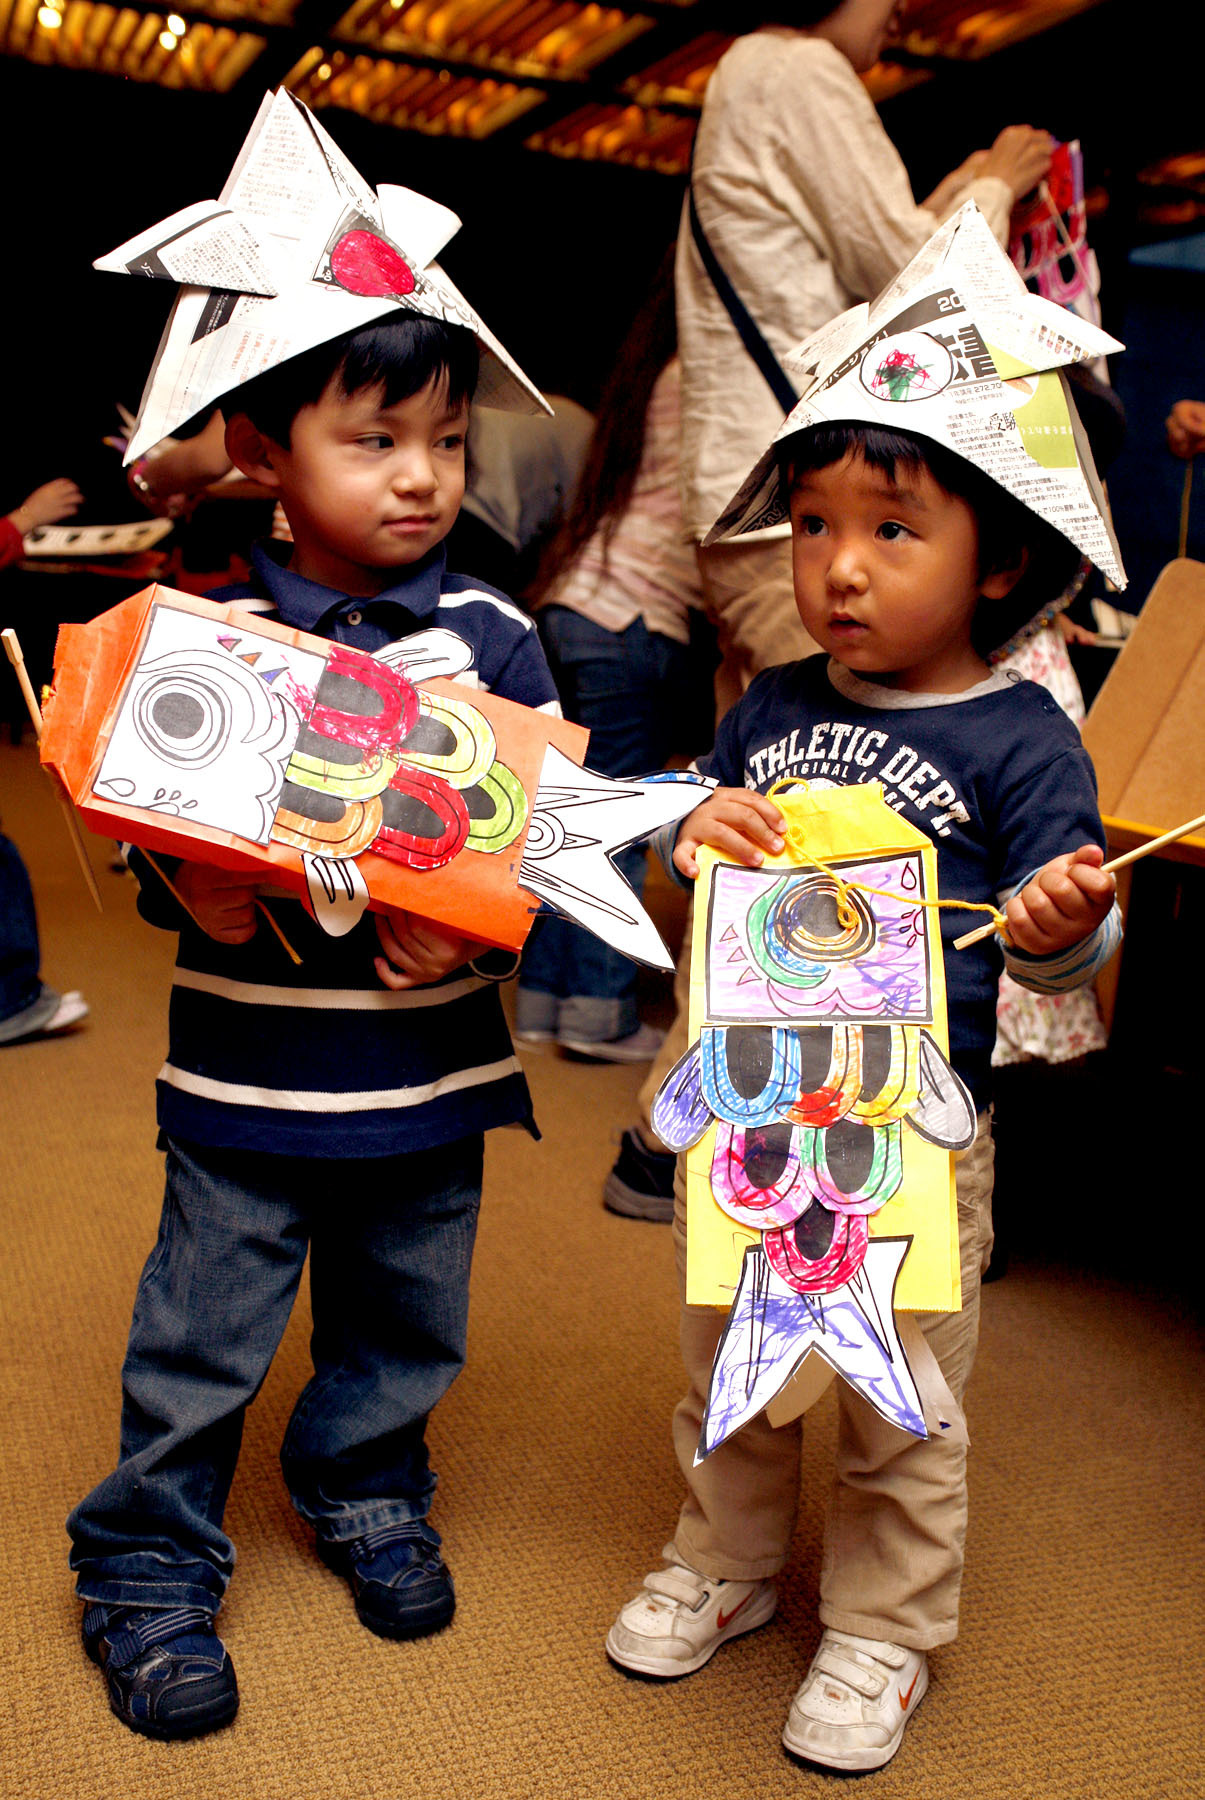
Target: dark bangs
403, 353
400, 354
1005, 526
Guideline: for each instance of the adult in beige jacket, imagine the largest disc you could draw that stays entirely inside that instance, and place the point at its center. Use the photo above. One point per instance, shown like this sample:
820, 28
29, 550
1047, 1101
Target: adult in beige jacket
808, 209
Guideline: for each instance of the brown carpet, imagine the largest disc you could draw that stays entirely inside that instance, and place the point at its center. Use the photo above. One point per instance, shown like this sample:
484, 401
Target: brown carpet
1079, 1669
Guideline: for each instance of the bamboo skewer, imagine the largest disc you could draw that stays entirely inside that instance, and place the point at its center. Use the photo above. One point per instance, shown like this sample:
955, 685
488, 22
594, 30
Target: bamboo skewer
178, 897
16, 658
1117, 862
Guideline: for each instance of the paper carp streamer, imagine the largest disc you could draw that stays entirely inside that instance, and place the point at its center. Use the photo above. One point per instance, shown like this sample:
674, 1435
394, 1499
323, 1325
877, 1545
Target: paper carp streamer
207, 732
815, 1098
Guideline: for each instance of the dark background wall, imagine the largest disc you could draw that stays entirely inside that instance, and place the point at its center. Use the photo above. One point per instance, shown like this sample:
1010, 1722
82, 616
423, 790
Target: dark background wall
555, 254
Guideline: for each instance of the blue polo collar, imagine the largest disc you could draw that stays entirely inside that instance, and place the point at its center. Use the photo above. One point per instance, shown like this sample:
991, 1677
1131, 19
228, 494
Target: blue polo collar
307, 605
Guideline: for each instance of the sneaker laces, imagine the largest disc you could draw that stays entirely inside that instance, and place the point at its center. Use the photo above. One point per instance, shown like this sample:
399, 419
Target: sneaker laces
413, 1544
130, 1637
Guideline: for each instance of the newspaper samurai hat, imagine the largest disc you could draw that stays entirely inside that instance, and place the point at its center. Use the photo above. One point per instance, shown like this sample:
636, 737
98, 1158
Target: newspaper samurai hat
297, 250
957, 350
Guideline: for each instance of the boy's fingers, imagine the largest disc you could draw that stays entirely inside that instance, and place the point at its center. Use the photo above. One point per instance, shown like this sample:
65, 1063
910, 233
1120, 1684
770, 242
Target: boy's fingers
392, 977
734, 841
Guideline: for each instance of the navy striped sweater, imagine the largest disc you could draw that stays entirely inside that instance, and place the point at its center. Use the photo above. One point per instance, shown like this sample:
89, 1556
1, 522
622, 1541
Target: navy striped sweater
320, 1059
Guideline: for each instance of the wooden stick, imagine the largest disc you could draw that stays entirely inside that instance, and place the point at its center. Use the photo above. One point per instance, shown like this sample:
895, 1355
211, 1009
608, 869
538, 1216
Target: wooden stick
1185, 504
16, 657
1169, 837
1117, 862
178, 897
171, 887
269, 916
974, 937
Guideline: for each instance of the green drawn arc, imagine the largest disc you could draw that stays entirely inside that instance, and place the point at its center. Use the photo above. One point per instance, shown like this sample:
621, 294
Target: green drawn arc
502, 826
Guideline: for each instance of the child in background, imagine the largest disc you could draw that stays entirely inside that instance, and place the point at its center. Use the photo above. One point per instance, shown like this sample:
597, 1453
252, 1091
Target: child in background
339, 1105
614, 595
908, 567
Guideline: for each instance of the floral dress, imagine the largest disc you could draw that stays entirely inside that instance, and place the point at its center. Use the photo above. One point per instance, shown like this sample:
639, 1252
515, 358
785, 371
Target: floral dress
1051, 1028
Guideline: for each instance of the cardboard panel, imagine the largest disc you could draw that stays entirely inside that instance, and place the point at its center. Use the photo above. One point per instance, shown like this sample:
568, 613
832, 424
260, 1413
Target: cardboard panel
1146, 730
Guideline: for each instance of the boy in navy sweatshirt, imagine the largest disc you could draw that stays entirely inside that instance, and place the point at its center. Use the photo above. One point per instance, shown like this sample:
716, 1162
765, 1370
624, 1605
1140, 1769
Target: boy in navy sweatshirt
908, 564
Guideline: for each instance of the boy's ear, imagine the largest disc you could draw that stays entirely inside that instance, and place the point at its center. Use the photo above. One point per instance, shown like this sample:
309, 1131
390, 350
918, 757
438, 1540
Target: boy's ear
250, 451
999, 581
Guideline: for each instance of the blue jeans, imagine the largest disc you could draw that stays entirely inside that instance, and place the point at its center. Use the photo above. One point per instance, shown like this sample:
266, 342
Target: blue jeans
391, 1241
626, 686
19, 956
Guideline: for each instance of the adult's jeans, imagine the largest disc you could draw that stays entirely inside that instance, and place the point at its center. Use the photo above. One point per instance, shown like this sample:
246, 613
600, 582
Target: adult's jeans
626, 687
391, 1241
19, 956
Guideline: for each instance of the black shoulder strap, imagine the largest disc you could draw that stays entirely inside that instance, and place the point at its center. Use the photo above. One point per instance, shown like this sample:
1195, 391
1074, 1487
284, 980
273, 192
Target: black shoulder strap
747, 328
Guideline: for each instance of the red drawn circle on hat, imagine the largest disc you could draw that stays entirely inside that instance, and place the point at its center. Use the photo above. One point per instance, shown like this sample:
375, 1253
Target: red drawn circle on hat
365, 264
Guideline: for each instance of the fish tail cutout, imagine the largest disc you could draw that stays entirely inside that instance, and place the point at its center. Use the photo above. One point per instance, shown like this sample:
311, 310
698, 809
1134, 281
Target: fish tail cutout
338, 892
771, 1330
943, 1415
578, 820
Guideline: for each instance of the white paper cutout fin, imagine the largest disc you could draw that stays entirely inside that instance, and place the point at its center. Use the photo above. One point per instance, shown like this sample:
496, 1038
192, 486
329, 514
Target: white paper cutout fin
578, 819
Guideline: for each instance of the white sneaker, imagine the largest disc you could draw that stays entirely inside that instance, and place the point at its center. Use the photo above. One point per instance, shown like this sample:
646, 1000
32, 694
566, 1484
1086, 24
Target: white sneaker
857, 1698
681, 1618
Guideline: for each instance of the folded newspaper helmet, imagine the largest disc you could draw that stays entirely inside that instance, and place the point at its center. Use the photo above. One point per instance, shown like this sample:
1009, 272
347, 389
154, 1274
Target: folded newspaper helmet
956, 350
297, 250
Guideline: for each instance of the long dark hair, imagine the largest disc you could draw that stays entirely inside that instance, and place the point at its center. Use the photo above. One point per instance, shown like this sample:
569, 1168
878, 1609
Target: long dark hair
613, 459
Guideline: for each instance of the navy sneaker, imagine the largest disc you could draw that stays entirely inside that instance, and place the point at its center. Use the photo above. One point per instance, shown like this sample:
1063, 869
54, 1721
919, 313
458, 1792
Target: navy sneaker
641, 1185
168, 1673
398, 1578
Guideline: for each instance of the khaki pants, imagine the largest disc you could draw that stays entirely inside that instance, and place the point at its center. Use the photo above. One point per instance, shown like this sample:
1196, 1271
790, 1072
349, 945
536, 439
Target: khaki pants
897, 1517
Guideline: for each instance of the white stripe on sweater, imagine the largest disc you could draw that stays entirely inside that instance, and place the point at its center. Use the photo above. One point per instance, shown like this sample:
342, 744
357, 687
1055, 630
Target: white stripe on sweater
250, 993
367, 1100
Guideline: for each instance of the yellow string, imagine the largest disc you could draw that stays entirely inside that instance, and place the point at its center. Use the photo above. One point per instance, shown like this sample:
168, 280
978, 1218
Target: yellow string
846, 914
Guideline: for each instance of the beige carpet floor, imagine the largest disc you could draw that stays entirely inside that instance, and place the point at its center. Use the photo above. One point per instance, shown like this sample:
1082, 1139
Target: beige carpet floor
1079, 1669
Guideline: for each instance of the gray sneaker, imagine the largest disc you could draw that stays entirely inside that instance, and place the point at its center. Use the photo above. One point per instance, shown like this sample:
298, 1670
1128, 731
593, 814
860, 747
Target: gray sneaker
641, 1183
639, 1046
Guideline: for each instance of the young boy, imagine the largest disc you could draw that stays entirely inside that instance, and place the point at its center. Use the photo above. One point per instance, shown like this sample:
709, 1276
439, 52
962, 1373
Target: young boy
908, 565
338, 1105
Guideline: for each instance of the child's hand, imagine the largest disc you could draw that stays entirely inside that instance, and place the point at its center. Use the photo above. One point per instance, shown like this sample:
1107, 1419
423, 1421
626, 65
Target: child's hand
417, 951
738, 821
221, 901
1064, 903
